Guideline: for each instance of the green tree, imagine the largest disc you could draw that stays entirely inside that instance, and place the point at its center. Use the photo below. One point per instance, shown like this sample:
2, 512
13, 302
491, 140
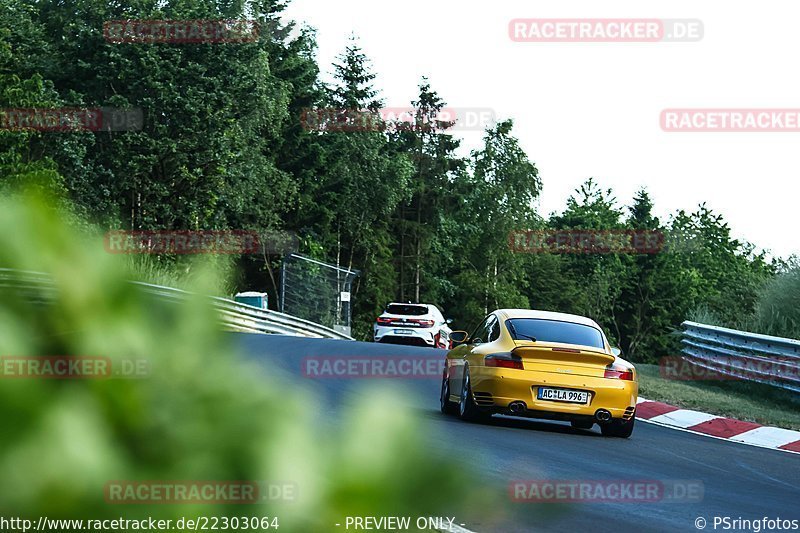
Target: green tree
25, 154
725, 273
601, 275
653, 300
494, 199
418, 220
203, 158
362, 180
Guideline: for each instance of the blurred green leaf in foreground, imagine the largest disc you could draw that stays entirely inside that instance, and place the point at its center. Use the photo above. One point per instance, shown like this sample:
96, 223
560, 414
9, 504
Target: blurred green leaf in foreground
203, 412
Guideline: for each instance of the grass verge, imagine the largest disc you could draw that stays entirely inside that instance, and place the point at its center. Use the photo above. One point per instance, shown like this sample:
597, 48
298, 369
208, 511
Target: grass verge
753, 402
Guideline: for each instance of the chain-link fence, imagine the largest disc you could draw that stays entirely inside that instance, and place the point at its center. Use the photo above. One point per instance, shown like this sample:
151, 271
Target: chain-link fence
317, 291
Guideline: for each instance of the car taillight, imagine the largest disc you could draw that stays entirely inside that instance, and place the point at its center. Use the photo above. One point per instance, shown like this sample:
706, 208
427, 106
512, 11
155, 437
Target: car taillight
617, 372
503, 362
384, 321
424, 323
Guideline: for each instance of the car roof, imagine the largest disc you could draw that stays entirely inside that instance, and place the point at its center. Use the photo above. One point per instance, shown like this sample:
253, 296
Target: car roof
548, 315
406, 303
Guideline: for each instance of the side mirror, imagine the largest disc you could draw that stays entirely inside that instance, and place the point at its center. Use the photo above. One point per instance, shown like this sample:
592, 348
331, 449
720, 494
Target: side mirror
448, 321
616, 351
458, 337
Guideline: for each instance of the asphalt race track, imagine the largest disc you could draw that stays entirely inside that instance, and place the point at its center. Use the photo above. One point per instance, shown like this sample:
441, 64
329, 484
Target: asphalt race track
738, 481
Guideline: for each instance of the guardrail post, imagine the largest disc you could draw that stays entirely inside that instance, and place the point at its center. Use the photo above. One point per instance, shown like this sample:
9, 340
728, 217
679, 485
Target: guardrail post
283, 284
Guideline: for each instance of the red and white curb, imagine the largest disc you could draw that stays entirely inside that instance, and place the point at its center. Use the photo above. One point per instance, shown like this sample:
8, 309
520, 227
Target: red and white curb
718, 427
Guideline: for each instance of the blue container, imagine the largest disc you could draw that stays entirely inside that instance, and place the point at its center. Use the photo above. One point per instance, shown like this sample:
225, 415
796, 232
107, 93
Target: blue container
256, 299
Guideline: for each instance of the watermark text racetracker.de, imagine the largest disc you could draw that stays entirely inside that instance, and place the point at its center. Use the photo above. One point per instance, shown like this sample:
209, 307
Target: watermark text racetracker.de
190, 31
728, 368
71, 367
585, 241
71, 119
339, 120
729, 120
408, 367
201, 242
598, 30
606, 490
197, 492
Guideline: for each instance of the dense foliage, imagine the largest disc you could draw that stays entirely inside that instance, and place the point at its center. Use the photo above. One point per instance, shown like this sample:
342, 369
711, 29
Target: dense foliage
224, 146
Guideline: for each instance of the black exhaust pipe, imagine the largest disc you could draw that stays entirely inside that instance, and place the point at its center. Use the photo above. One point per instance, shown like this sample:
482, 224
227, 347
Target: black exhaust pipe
518, 407
603, 416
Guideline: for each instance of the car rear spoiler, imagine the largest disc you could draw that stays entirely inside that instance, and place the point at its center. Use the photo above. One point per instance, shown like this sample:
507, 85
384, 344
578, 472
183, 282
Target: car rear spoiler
568, 354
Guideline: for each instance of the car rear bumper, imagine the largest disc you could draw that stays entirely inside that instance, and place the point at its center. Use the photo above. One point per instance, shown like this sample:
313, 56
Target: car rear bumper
404, 340
417, 337
495, 389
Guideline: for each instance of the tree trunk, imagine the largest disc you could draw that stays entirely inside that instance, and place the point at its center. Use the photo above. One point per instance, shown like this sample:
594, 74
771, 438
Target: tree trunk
419, 250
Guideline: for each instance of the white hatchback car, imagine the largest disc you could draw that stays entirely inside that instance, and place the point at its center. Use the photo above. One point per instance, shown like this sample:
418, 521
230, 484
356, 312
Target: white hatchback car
413, 324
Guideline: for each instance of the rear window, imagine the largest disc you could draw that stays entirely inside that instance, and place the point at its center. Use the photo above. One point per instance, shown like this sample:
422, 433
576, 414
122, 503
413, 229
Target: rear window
556, 331
411, 310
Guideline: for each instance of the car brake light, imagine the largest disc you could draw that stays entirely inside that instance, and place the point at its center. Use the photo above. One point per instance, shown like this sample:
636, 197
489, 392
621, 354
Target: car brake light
616, 372
503, 362
425, 323
384, 321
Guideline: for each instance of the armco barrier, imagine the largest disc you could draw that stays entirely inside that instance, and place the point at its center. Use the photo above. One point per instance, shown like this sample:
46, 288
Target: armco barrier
234, 316
747, 356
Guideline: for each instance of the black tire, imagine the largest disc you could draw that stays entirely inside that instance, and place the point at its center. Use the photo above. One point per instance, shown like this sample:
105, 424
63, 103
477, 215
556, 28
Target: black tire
447, 407
582, 424
618, 428
467, 409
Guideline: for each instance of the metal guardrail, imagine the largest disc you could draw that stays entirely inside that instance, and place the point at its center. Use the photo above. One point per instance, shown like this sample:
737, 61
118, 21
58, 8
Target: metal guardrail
242, 317
234, 316
739, 354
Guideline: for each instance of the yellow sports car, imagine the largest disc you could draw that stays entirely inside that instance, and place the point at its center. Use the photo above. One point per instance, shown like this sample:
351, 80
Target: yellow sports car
540, 364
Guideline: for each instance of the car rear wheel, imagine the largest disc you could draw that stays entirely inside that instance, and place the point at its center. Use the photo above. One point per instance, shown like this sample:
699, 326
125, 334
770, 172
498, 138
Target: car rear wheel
467, 410
447, 407
618, 428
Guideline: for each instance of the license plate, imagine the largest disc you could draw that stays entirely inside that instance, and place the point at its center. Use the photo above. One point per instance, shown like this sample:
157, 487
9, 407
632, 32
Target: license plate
403, 332
563, 395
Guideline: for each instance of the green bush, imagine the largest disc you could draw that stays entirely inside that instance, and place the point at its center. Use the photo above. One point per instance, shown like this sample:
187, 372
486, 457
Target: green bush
778, 306
777, 309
